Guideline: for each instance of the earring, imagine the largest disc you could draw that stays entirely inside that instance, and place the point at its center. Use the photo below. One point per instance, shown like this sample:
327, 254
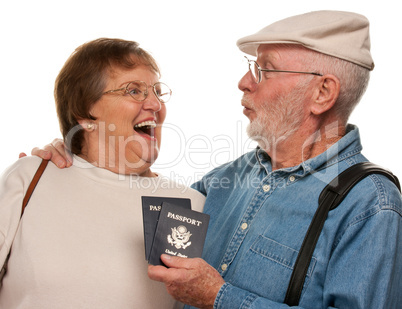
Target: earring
90, 126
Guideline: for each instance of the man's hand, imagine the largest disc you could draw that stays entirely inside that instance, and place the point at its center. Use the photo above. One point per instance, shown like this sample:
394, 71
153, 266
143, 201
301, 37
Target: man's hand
56, 152
190, 281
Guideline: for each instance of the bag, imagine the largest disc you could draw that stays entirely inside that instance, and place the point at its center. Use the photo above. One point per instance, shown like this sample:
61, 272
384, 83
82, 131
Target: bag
27, 196
332, 195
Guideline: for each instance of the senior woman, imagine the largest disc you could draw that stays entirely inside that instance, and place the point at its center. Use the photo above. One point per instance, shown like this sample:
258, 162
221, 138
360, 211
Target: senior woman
80, 241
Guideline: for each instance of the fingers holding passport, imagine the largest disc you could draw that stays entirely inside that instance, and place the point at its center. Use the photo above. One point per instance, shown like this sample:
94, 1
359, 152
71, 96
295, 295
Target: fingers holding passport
189, 280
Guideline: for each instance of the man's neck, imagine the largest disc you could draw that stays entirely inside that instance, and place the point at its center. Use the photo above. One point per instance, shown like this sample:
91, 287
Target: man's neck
303, 146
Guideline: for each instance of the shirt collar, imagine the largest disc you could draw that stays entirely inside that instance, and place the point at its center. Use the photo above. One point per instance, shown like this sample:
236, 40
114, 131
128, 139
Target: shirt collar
347, 146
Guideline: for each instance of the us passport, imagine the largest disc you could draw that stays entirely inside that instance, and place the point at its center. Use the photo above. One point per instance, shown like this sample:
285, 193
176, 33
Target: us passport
151, 206
180, 232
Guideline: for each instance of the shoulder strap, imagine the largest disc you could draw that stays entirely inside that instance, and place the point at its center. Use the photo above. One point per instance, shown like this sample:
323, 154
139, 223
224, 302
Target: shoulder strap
27, 196
332, 195
33, 184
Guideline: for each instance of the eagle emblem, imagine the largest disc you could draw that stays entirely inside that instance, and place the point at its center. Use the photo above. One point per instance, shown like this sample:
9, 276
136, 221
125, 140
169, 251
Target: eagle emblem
180, 237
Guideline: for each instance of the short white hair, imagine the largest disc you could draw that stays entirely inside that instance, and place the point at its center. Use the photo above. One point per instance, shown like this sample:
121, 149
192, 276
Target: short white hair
353, 80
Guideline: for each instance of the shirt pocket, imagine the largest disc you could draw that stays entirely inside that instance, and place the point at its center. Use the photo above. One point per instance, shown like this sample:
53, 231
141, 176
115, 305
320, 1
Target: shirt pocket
266, 268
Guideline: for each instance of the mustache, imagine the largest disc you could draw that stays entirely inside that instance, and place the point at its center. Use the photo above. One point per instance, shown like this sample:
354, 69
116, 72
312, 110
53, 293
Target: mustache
246, 101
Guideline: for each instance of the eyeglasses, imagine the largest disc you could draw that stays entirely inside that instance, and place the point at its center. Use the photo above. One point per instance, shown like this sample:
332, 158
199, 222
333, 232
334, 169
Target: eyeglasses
138, 90
255, 70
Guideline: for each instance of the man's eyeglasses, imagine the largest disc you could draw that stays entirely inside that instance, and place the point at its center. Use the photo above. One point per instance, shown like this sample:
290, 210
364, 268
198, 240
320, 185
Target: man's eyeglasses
138, 90
255, 70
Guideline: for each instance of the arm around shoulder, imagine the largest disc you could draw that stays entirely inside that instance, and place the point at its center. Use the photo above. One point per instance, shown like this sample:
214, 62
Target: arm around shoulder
56, 152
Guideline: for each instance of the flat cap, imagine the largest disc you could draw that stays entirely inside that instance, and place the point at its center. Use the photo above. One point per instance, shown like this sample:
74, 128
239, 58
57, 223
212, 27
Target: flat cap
344, 35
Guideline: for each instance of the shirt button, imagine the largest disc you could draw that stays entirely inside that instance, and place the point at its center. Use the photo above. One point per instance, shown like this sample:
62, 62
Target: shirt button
224, 267
266, 188
244, 226
292, 178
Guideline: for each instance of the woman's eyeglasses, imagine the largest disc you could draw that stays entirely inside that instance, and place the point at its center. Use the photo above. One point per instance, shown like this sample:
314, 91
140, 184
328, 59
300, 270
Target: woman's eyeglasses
138, 90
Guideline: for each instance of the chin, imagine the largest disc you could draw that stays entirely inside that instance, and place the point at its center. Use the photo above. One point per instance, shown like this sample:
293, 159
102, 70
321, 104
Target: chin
144, 158
151, 155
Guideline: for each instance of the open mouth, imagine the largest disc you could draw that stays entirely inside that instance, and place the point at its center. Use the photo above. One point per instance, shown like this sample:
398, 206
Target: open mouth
146, 127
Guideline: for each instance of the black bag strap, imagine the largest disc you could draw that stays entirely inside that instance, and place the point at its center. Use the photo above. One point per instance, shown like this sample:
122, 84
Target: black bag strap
332, 195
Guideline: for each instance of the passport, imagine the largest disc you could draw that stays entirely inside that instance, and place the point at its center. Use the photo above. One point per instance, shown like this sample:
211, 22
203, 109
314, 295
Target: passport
151, 206
179, 232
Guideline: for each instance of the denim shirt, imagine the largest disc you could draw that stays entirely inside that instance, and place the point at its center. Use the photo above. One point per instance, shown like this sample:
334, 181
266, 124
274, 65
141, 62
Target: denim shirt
259, 218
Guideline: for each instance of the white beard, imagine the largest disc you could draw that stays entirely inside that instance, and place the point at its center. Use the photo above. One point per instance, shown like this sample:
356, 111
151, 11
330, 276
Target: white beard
278, 120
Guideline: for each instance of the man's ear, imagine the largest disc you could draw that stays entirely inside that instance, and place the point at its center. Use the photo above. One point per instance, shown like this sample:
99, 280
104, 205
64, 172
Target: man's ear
326, 94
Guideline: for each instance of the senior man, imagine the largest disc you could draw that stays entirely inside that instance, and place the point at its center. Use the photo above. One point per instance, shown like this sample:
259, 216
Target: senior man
311, 71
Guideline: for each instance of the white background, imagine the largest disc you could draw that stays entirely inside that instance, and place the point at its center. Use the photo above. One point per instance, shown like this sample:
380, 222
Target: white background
194, 43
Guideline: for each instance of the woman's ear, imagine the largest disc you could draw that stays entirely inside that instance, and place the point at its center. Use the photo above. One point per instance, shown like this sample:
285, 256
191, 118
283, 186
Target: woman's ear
326, 94
87, 125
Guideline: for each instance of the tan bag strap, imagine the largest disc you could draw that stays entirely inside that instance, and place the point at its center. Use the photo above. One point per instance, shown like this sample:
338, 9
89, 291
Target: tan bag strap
33, 184
28, 194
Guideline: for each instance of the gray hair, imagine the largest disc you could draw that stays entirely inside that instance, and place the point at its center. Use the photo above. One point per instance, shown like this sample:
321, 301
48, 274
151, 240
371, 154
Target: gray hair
353, 79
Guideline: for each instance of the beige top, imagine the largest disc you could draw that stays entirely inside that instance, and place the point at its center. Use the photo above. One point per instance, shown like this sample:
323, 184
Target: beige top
80, 242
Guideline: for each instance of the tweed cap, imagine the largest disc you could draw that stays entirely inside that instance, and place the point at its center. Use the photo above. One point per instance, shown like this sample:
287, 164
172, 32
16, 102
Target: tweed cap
344, 35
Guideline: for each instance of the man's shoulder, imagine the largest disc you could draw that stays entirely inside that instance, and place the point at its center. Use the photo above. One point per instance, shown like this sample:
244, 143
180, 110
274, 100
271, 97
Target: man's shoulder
375, 192
384, 191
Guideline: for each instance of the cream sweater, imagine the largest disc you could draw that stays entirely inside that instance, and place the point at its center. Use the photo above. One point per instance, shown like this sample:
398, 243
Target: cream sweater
80, 242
